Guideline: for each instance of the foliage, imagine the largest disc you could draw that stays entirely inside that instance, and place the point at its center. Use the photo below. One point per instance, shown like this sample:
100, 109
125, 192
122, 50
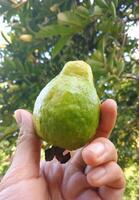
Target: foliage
46, 34
132, 188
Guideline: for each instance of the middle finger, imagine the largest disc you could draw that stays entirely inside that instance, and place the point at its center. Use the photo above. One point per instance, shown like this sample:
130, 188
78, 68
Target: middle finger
100, 151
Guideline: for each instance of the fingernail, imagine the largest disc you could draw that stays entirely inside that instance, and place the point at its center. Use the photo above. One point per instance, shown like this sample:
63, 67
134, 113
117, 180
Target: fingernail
97, 148
98, 173
18, 117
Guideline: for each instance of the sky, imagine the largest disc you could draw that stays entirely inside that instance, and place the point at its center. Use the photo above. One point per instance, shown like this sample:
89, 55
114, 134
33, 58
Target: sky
134, 31
3, 28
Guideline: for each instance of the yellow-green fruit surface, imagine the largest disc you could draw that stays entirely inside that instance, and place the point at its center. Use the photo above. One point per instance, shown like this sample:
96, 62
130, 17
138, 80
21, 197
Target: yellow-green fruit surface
66, 112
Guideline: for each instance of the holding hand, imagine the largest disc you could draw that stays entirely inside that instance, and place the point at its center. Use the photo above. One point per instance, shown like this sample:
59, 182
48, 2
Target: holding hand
91, 173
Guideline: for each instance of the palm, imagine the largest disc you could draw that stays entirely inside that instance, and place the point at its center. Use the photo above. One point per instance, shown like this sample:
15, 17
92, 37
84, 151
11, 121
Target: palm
67, 181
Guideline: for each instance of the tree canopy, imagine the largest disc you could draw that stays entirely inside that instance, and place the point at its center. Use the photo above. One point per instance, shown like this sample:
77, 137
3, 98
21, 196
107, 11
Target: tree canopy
45, 35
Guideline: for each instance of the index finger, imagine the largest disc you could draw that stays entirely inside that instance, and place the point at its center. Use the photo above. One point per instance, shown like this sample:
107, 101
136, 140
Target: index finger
108, 115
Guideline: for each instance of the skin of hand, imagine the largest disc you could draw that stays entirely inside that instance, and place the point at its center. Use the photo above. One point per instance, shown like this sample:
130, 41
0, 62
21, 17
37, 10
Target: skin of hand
91, 174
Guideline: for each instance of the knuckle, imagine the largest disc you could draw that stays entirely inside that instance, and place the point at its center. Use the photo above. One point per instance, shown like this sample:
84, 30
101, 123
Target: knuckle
118, 171
112, 150
24, 135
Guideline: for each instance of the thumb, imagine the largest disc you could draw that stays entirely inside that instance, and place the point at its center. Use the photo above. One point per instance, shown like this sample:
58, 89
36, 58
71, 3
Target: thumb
27, 154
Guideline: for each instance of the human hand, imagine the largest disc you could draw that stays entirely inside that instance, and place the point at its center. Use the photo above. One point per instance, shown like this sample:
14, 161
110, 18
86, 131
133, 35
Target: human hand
91, 173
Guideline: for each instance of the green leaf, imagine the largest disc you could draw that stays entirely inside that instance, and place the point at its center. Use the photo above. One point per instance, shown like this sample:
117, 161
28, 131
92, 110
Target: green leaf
97, 55
96, 59
82, 11
110, 61
9, 63
120, 64
113, 9
102, 43
101, 3
5, 3
73, 19
98, 71
56, 29
95, 63
59, 45
97, 11
20, 66
115, 2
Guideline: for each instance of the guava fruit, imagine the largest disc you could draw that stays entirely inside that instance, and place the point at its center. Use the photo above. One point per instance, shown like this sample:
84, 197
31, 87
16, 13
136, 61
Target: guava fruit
66, 112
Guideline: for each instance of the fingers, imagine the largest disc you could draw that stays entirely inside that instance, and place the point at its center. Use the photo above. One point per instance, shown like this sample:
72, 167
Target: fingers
107, 118
77, 160
27, 154
102, 169
100, 151
109, 174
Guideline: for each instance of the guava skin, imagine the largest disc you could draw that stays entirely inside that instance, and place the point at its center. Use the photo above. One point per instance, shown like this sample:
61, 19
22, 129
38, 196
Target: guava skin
66, 112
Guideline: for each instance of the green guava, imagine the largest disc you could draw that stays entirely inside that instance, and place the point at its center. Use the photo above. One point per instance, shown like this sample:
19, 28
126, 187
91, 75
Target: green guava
66, 112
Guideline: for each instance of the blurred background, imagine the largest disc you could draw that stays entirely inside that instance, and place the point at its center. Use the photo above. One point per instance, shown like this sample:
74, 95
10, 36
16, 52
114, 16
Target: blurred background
39, 36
